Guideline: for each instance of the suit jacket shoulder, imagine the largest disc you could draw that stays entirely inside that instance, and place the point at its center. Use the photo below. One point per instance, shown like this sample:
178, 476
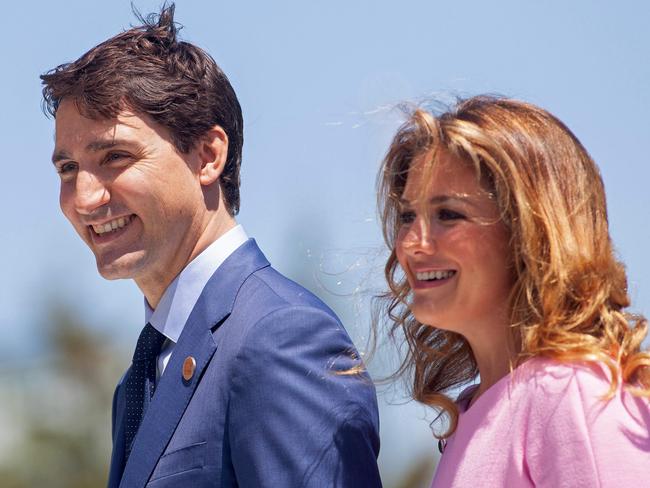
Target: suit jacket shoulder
296, 417
269, 404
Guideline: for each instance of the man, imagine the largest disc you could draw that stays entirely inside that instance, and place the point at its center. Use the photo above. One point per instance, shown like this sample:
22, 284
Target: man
256, 382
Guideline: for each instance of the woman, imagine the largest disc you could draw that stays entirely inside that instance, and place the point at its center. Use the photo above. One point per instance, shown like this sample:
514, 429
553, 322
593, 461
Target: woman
502, 266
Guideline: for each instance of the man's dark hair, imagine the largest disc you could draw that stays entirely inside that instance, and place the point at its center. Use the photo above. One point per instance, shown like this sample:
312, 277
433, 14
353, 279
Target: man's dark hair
147, 70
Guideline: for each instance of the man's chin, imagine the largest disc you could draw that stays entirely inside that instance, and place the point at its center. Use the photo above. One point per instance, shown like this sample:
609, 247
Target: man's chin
126, 267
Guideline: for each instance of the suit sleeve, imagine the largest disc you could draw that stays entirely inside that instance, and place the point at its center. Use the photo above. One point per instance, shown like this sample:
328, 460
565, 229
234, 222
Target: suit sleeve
294, 420
116, 406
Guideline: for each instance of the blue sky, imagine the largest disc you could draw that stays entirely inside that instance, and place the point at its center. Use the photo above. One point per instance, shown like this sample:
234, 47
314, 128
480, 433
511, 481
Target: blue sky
317, 82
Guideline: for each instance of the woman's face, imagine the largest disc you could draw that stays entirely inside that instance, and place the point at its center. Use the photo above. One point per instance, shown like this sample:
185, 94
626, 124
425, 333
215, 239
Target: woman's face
454, 250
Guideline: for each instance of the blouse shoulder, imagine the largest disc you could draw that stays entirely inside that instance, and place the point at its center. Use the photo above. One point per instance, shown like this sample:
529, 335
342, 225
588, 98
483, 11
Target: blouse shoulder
573, 421
551, 378
573, 389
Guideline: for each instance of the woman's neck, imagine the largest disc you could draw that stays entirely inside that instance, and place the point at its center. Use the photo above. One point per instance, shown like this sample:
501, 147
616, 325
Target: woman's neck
495, 357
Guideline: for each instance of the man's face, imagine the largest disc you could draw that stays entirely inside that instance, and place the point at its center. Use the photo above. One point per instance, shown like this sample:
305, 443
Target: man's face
131, 196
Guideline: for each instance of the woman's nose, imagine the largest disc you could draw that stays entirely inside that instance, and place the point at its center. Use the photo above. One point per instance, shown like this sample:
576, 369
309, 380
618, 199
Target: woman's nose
419, 238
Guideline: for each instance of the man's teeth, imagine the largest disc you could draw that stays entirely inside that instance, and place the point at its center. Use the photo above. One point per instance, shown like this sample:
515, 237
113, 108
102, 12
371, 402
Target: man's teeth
434, 275
112, 225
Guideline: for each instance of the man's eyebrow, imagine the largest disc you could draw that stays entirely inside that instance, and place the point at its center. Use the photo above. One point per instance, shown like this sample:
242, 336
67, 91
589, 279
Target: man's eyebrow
93, 146
58, 156
101, 145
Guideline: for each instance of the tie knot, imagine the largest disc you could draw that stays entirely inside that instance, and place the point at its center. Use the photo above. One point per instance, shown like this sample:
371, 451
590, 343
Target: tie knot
149, 344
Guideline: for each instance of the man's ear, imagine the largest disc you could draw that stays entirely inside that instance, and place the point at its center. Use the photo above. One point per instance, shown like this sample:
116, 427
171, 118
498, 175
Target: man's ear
212, 152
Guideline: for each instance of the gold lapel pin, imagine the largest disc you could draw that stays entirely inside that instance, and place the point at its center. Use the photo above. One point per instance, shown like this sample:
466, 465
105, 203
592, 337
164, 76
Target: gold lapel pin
189, 366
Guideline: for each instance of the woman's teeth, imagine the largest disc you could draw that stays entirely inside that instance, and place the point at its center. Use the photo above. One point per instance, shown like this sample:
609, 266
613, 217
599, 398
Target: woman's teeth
434, 275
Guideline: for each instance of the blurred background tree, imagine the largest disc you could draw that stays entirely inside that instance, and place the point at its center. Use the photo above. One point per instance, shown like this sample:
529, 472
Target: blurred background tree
56, 409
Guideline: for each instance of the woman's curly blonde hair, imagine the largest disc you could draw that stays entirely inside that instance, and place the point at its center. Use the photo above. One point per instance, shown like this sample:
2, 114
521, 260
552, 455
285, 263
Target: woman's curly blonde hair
570, 291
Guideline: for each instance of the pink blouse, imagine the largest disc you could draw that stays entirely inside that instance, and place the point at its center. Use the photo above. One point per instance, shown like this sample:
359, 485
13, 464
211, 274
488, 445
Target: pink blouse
544, 425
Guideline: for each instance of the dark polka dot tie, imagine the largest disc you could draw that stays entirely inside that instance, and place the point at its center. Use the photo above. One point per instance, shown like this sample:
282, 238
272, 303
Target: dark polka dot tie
141, 383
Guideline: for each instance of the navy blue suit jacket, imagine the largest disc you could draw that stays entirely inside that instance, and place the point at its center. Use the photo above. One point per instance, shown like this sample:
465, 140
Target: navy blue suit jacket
266, 405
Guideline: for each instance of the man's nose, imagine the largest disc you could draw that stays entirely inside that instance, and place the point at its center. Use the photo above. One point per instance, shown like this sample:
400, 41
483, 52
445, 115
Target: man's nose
90, 193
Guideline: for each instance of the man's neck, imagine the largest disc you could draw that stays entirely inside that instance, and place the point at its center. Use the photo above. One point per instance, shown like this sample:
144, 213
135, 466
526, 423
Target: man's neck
154, 287
213, 231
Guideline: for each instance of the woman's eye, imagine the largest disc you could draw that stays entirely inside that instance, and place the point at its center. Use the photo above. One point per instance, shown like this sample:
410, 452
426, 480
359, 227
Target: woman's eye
447, 214
407, 217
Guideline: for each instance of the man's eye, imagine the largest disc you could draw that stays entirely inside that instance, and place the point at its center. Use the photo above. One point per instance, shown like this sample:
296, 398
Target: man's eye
406, 217
66, 168
447, 214
110, 157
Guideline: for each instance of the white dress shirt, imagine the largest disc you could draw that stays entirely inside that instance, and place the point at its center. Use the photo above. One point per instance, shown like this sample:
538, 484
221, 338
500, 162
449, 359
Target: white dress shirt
181, 295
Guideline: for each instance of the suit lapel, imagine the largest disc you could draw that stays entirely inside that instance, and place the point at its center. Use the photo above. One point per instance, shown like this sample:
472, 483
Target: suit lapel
173, 393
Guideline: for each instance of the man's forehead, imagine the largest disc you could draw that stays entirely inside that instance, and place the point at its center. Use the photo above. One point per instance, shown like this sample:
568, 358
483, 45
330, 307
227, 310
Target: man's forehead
70, 112
74, 132
72, 125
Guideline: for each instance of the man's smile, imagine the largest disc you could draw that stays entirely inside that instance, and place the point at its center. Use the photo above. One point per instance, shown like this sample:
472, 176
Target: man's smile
112, 225
109, 231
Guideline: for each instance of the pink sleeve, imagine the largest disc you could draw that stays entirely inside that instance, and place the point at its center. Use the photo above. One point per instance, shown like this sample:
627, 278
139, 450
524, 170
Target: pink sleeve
575, 439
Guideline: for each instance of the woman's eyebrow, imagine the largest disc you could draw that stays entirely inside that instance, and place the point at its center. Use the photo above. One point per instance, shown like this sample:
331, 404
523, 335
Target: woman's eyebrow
438, 199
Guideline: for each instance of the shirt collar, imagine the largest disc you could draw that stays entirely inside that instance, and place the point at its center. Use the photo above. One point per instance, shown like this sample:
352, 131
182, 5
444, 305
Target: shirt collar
181, 295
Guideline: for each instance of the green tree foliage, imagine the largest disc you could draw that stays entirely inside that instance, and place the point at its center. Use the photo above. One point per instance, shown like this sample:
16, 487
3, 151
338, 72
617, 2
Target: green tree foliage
60, 409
